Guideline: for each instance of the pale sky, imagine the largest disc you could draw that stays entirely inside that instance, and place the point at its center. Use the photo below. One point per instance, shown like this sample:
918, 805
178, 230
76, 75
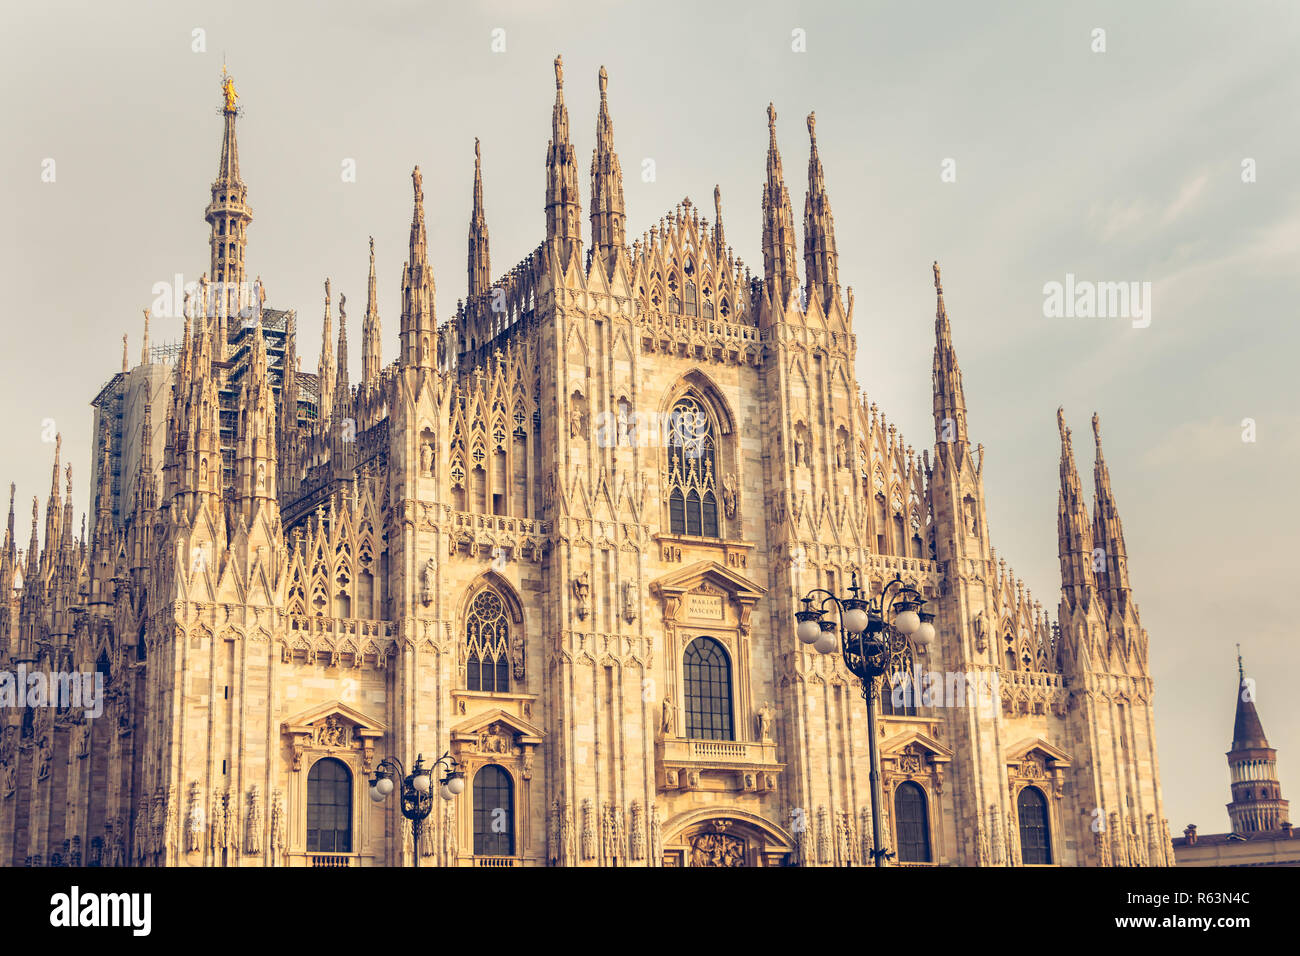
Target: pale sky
1117, 166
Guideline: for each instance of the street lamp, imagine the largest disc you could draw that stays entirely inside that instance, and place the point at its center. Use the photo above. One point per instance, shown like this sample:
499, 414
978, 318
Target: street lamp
417, 786
873, 635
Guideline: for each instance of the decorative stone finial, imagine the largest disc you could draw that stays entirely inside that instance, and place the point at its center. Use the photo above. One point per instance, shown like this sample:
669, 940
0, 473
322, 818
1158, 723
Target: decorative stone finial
812, 127
604, 82
559, 72
938, 285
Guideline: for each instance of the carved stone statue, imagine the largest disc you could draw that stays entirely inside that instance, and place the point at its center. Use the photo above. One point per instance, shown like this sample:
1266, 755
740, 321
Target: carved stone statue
981, 641
729, 495
656, 836
196, 826
669, 717
765, 722
581, 593
841, 453
426, 583
629, 602
277, 825
426, 459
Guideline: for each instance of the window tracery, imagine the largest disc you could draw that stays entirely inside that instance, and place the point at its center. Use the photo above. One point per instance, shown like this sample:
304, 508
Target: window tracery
691, 479
487, 639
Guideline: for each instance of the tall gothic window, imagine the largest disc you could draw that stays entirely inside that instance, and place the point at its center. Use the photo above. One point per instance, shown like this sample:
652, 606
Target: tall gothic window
494, 812
708, 691
692, 488
487, 636
1035, 840
911, 823
900, 692
329, 807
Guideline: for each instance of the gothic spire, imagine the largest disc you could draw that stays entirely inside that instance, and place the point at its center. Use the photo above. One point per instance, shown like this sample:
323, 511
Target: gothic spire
821, 260
371, 354
949, 398
1074, 532
1107, 532
480, 261
228, 213
608, 214
342, 389
419, 318
146, 493
33, 548
144, 344
719, 240
325, 366
780, 263
54, 506
563, 206
1257, 803
11, 543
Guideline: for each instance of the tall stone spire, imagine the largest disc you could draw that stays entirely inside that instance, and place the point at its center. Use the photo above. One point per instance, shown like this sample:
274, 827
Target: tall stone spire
1107, 532
821, 260
54, 506
371, 353
780, 262
342, 387
563, 205
480, 261
146, 491
144, 343
325, 367
8, 566
1257, 803
11, 543
719, 239
1074, 531
608, 213
419, 318
228, 213
949, 398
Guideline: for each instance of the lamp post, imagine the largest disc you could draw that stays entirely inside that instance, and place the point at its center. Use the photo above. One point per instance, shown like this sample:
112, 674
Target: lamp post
873, 635
417, 789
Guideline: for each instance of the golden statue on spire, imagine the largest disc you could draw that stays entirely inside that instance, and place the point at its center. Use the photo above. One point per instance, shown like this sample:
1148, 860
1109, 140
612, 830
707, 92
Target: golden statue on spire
228, 88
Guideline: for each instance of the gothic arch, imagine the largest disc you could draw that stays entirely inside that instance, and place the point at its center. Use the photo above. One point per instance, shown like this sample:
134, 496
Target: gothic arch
499, 583
764, 843
697, 381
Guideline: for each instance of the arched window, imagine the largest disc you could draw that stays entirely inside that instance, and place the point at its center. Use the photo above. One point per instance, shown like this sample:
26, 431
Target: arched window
329, 807
912, 824
900, 692
708, 691
487, 637
692, 487
1035, 840
494, 812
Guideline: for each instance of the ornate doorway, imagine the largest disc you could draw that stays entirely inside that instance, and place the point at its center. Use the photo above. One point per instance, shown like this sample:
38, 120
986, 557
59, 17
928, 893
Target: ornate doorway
738, 839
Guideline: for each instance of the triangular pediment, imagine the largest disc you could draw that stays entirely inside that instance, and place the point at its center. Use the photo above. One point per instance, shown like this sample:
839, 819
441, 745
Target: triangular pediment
936, 751
1049, 753
304, 721
517, 726
709, 574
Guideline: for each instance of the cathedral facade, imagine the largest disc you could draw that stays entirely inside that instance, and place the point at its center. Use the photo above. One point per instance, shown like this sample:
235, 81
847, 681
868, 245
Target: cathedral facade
562, 538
